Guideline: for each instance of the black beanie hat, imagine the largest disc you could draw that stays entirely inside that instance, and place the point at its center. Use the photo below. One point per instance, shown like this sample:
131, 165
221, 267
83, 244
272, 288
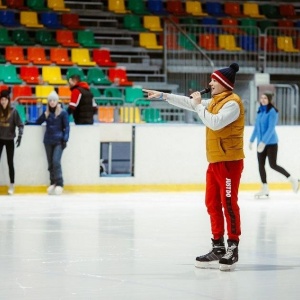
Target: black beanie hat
5, 94
226, 76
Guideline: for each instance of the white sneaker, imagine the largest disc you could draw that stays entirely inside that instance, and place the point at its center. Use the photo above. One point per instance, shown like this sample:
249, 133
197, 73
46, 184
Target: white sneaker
295, 183
50, 189
58, 190
11, 189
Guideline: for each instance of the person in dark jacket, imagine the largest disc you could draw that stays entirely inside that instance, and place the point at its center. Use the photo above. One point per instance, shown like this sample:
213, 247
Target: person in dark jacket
55, 140
9, 120
82, 104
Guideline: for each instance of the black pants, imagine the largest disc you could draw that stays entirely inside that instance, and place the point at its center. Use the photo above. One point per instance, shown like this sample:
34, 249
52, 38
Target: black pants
271, 152
10, 150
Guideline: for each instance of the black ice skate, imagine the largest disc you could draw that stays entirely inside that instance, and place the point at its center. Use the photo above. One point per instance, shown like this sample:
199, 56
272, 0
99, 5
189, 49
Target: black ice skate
227, 262
218, 250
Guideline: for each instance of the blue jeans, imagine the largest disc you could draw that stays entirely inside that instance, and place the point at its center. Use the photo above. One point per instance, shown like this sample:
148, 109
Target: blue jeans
54, 153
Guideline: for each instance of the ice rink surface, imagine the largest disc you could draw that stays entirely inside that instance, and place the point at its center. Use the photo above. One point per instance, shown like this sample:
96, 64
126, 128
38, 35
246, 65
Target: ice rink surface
142, 246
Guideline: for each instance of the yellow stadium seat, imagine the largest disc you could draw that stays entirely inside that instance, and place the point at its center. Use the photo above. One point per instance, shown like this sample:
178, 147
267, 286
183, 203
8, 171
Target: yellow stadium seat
285, 43
52, 75
194, 8
81, 57
252, 10
30, 19
57, 5
227, 42
130, 115
43, 91
117, 6
2, 6
148, 40
152, 23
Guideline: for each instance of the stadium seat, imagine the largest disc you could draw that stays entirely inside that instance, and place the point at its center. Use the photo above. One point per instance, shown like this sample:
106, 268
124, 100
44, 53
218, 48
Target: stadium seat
21, 109
106, 114
156, 7
71, 21
208, 42
102, 58
30, 74
148, 40
86, 39
42, 92
171, 40
130, 115
233, 9
249, 25
263, 25
20, 91
81, 57
64, 94
8, 18
76, 71
286, 27
5, 38
194, 8
227, 42
15, 55
176, 7
118, 76
45, 38
115, 96
33, 112
231, 25
37, 56
50, 20
214, 9
286, 44
268, 44
60, 57
133, 23
16, 4
134, 95
152, 23
117, 7
9, 74
96, 76
57, 5
138, 7
2, 59
271, 11
252, 10
248, 43
30, 19
66, 38
36, 5
21, 37
151, 115
288, 11
186, 41
52, 75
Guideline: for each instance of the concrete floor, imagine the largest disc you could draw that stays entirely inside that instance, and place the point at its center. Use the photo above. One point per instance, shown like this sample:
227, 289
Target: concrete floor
142, 246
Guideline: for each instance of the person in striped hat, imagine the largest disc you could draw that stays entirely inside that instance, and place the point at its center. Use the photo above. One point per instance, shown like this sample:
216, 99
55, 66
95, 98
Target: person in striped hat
223, 116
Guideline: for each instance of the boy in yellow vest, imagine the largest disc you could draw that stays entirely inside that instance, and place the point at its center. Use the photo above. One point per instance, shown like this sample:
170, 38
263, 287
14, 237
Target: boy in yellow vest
223, 116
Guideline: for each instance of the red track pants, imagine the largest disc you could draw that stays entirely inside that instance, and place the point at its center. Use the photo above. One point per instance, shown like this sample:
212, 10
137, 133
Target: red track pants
222, 184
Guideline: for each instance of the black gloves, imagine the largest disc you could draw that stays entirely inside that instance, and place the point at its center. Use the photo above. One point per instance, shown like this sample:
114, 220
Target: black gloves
63, 145
18, 142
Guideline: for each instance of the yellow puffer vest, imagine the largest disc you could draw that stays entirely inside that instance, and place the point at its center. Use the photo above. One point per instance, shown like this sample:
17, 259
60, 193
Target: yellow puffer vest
225, 144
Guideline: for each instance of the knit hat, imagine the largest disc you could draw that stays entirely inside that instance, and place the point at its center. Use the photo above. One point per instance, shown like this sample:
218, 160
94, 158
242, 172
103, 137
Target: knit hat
226, 76
5, 94
53, 96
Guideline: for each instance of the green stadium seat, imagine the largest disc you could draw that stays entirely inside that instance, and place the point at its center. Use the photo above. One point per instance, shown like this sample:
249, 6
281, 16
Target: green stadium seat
9, 74
97, 76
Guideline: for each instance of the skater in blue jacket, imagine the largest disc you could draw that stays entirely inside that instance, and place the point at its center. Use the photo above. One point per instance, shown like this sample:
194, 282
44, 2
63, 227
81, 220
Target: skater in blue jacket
267, 143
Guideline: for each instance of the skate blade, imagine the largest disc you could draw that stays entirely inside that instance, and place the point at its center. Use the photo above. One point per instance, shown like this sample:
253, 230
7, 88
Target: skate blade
261, 196
226, 268
207, 265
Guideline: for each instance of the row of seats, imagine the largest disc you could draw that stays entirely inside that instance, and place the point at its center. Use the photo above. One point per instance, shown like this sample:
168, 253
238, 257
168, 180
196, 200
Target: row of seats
218, 9
53, 75
58, 56
114, 96
56, 5
32, 19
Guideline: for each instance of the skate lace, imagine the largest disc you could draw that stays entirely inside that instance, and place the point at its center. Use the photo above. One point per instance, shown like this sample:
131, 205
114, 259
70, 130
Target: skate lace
229, 252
